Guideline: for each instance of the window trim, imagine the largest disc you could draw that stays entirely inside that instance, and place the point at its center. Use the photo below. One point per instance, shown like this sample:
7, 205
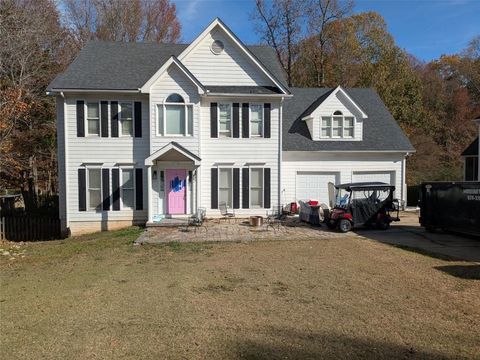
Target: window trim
120, 121
250, 187
120, 185
163, 108
86, 102
261, 135
342, 128
230, 168
87, 186
231, 120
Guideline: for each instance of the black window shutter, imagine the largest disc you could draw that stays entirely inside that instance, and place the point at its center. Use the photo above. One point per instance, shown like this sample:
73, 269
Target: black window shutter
266, 120
245, 120
214, 189
245, 188
114, 125
116, 189
139, 189
138, 118
236, 120
82, 190
104, 118
266, 188
213, 120
236, 188
80, 118
106, 189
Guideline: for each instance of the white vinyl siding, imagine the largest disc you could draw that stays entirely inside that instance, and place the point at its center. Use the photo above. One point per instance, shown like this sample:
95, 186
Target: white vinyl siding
387, 177
231, 67
225, 186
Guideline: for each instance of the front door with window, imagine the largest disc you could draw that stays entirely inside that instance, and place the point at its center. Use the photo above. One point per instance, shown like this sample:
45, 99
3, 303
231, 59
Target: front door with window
176, 180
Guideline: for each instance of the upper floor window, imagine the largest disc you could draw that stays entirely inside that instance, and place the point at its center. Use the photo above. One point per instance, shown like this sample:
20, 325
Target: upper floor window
337, 126
93, 118
256, 120
175, 117
126, 118
225, 120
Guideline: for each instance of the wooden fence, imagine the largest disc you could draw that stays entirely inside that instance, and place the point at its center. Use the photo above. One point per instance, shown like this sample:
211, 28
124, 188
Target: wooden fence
28, 228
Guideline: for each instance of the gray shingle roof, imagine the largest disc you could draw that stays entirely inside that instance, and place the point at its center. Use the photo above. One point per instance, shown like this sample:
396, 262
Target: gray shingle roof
103, 65
380, 130
243, 89
472, 149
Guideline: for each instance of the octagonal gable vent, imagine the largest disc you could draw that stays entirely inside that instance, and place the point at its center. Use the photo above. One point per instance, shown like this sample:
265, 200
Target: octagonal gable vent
217, 47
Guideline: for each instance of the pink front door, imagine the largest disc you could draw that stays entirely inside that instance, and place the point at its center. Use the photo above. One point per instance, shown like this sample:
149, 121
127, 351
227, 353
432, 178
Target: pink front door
176, 180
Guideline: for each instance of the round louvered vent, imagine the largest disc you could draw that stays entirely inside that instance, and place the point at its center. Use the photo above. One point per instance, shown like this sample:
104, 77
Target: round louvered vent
217, 47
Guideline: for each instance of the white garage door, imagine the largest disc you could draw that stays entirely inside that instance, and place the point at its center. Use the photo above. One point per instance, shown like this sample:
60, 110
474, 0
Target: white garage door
314, 185
368, 176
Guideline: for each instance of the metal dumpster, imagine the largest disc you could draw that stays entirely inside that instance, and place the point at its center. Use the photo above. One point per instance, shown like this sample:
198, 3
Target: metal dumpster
451, 206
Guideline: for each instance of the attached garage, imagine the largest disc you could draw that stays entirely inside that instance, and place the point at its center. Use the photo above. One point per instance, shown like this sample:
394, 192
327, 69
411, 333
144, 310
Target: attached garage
368, 176
312, 185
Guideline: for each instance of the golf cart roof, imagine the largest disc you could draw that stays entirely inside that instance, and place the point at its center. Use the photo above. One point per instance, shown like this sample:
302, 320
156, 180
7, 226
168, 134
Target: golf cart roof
365, 186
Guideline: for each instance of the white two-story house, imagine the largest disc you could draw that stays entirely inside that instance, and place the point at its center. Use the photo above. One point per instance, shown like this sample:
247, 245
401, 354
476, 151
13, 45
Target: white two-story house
148, 130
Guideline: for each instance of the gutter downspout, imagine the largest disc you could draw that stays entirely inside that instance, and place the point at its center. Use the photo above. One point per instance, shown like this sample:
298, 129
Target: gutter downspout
65, 140
280, 152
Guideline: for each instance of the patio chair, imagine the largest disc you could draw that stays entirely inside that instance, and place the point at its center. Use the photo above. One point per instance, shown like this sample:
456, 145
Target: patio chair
275, 218
197, 220
226, 215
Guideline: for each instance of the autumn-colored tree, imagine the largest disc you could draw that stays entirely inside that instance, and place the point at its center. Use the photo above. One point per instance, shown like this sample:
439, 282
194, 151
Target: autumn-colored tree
31, 54
119, 20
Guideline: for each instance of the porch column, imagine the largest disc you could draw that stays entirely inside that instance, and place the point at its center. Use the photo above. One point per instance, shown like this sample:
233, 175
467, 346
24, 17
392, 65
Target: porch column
149, 193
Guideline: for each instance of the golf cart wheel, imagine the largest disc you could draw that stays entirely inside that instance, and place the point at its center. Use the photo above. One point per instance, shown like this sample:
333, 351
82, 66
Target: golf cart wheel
344, 225
331, 224
383, 225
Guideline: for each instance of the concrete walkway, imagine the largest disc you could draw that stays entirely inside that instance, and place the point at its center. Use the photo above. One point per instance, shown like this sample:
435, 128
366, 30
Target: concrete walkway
216, 230
408, 233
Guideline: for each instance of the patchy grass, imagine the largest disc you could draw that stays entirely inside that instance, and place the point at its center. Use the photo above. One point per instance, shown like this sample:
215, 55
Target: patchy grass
100, 297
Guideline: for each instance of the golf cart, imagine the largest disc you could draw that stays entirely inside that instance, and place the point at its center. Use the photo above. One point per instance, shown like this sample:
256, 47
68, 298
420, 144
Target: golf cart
362, 204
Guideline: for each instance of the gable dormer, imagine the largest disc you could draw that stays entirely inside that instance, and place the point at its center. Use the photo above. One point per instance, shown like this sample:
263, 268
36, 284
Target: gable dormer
335, 117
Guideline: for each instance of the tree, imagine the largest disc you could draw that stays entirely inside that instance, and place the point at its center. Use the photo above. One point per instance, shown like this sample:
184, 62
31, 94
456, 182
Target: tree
118, 20
321, 14
32, 52
279, 24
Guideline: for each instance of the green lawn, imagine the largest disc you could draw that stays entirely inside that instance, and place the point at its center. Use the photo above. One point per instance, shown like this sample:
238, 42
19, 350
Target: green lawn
100, 297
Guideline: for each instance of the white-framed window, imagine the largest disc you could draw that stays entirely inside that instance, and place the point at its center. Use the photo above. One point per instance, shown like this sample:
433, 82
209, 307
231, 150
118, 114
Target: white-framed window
127, 188
224, 120
337, 126
125, 117
256, 120
94, 188
256, 187
225, 186
175, 117
93, 118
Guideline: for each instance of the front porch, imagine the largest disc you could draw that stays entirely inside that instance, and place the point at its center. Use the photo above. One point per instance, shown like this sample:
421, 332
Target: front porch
172, 186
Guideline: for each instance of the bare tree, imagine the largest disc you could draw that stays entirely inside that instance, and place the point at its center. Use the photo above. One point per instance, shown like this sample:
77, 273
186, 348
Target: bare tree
320, 14
279, 23
119, 20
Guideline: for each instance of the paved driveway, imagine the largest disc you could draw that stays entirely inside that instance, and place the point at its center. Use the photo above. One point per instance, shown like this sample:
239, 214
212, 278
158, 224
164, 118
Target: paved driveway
408, 233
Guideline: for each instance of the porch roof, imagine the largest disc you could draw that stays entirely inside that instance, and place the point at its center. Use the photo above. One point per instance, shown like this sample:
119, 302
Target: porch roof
173, 151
